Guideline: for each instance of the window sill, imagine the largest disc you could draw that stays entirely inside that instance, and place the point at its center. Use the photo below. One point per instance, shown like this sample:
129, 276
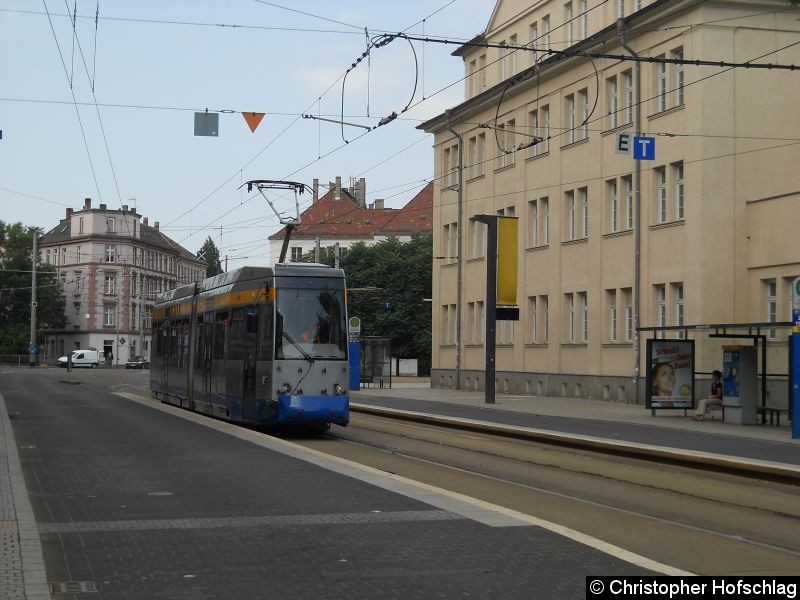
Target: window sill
575, 143
581, 240
475, 259
544, 154
574, 344
616, 129
617, 344
506, 167
476, 178
616, 234
537, 345
665, 112
537, 248
667, 224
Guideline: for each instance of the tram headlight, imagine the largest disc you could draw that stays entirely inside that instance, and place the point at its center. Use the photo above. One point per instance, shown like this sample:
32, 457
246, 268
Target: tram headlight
285, 389
339, 390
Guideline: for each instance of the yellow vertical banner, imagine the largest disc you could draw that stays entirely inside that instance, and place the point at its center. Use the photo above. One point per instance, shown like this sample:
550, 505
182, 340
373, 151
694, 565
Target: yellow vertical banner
507, 261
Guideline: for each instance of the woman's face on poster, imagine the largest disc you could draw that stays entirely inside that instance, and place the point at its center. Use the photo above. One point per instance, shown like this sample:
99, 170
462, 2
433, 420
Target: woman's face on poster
664, 380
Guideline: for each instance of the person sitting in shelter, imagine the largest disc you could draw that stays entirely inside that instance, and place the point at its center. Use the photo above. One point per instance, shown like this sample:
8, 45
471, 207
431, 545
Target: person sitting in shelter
714, 399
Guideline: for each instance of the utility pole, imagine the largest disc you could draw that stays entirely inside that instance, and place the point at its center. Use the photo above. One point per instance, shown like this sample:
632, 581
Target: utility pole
32, 347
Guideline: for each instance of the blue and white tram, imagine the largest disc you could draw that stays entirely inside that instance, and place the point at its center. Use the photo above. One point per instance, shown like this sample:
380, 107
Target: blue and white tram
264, 346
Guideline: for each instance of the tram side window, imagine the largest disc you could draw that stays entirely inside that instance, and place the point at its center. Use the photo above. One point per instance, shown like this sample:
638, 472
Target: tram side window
237, 335
266, 324
220, 331
173, 347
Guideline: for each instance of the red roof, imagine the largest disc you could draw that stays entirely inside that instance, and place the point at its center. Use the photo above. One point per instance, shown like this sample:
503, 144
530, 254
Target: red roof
344, 218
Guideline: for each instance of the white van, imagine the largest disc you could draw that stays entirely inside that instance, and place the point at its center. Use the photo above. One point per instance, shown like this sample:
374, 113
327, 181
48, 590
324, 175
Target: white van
82, 358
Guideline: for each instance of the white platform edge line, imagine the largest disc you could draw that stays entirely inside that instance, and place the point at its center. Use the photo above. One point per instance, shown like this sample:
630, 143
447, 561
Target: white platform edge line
471, 507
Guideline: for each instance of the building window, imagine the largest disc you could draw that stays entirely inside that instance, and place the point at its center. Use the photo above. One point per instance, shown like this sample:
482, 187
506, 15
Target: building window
583, 195
584, 8
772, 306
627, 88
110, 225
546, 33
570, 301
677, 170
661, 299
110, 254
661, 84
661, 194
533, 212
533, 37
611, 296
620, 8
569, 201
110, 284
544, 307
678, 291
477, 154
544, 215
627, 294
568, 21
506, 151
108, 316
613, 206
570, 118
532, 320
611, 86
677, 54
627, 189
584, 98
513, 54
476, 238
297, 253
583, 299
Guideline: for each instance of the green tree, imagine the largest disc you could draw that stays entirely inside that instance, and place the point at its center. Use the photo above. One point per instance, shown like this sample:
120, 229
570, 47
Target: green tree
387, 284
210, 253
16, 247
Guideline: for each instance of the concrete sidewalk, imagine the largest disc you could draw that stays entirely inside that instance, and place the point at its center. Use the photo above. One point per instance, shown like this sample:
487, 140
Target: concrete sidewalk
578, 408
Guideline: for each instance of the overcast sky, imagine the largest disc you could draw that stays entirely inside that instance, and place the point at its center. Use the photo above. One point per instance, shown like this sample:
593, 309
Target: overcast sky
153, 63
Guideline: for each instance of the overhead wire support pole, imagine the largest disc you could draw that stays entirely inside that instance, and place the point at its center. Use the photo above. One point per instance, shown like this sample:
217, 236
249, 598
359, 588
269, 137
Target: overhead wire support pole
637, 225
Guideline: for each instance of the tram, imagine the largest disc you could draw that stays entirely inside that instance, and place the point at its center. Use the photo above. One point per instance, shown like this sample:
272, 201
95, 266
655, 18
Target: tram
262, 346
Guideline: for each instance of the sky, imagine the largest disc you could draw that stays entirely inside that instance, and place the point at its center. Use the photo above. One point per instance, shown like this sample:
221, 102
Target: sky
105, 109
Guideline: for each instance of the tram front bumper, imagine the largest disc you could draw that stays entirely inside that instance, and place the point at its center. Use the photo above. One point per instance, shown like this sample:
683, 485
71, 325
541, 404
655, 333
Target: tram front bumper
313, 409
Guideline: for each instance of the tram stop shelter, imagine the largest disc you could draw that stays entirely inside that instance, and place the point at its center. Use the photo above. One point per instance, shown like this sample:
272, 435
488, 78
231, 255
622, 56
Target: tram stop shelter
772, 347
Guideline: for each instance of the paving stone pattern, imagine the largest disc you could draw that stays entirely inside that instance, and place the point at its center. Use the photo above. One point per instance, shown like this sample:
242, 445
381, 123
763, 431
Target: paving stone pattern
143, 505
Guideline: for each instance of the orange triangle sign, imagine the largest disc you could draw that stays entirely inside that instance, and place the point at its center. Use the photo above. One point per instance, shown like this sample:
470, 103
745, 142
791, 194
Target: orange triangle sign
253, 119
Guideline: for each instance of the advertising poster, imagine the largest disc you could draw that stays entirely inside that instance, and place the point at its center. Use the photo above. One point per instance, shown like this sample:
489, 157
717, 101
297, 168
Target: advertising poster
670, 374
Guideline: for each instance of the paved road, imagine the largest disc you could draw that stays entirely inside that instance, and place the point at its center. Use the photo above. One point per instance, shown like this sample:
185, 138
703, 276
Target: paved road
140, 500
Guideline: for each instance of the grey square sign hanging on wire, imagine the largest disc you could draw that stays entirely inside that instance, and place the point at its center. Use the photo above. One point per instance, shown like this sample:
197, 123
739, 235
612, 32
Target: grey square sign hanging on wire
206, 124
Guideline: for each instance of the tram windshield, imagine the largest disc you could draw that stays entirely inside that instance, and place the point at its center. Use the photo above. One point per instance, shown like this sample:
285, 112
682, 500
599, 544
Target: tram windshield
310, 319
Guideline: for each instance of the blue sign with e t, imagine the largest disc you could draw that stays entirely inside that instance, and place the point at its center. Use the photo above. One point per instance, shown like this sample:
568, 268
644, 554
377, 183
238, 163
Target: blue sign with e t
644, 148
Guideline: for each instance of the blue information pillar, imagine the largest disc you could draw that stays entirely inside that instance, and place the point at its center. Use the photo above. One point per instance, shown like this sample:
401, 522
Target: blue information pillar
354, 352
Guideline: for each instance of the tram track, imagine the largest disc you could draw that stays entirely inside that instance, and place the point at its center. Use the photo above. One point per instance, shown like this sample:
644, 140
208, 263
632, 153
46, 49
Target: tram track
700, 521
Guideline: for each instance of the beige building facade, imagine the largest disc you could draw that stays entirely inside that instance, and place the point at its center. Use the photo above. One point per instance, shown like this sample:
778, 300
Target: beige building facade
706, 233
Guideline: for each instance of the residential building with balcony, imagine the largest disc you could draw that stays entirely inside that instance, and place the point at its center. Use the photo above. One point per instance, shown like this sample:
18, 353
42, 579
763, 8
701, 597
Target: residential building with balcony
112, 264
